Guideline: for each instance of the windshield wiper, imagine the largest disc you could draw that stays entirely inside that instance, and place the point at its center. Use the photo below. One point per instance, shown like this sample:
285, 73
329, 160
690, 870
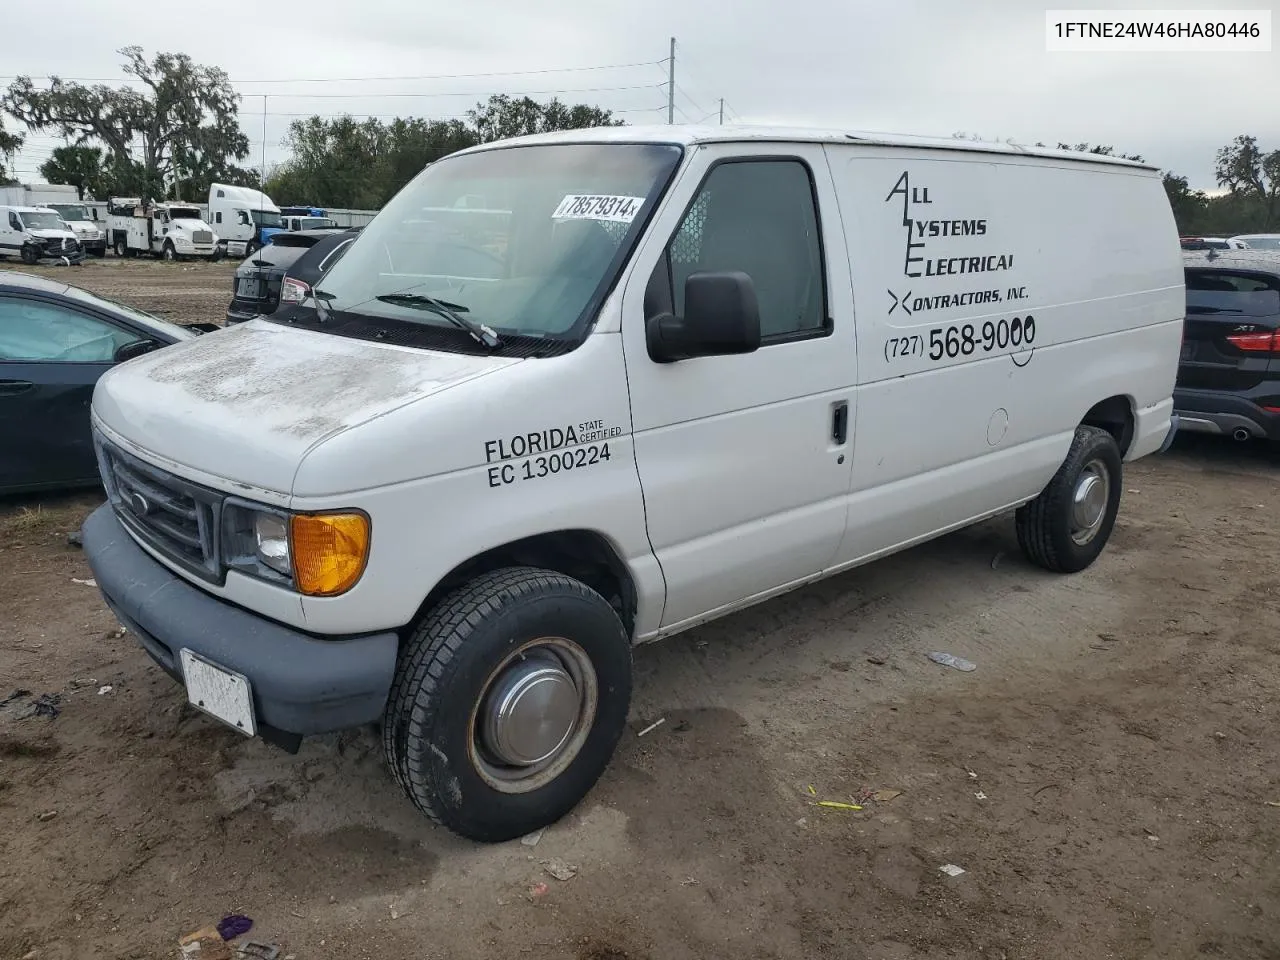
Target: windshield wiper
479, 332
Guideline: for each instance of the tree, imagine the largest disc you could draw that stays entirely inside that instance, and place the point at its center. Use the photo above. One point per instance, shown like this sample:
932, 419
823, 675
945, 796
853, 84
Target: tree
1252, 177
10, 143
344, 162
79, 166
1188, 205
184, 117
1100, 150
503, 117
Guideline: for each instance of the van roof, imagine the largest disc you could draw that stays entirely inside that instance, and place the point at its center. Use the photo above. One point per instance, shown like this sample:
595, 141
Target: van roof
689, 135
19, 208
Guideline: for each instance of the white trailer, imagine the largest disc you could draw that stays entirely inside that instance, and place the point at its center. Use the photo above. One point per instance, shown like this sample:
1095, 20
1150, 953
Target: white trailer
170, 230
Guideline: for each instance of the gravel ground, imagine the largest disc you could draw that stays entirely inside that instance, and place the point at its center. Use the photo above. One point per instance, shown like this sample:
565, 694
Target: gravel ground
1106, 777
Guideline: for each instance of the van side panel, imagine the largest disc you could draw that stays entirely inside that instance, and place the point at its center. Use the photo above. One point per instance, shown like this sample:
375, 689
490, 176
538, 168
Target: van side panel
998, 299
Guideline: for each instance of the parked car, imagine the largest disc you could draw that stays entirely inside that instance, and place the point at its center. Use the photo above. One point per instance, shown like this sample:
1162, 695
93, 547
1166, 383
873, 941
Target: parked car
1260, 241
620, 396
56, 340
1211, 243
37, 233
1229, 372
257, 282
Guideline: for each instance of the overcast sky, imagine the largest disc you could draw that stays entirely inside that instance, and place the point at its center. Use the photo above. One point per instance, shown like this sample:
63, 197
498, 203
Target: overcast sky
915, 66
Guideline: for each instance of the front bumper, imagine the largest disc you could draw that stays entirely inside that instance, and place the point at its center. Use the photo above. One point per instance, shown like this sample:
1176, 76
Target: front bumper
1227, 414
302, 684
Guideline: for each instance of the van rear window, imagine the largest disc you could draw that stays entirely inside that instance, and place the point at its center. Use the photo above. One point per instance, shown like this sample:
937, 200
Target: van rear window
1242, 294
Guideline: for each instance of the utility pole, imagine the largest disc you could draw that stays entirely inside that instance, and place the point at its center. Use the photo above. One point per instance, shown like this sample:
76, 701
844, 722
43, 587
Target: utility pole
671, 83
722, 111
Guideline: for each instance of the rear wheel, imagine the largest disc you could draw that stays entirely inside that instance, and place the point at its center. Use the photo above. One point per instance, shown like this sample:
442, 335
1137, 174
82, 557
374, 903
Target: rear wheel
1067, 526
508, 702
252, 248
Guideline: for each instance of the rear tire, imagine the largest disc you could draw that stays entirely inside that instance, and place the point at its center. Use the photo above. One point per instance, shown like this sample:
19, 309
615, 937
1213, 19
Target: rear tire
121, 250
447, 741
1067, 526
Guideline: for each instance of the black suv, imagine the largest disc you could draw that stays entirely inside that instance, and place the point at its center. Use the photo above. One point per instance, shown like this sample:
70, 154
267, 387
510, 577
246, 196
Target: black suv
256, 287
1229, 373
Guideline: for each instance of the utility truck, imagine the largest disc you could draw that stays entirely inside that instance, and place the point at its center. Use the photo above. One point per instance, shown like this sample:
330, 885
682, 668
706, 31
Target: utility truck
168, 230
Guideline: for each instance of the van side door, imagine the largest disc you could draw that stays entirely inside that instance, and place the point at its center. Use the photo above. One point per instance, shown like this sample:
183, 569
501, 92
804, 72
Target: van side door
745, 460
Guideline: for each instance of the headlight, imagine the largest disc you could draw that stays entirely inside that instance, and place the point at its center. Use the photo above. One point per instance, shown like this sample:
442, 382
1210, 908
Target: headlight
318, 554
330, 551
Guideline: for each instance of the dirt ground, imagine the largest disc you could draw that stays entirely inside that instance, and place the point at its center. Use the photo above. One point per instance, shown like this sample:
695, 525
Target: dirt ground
1106, 777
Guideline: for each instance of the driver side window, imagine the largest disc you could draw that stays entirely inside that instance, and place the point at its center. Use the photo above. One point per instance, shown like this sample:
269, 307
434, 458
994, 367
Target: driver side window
31, 330
14, 222
759, 217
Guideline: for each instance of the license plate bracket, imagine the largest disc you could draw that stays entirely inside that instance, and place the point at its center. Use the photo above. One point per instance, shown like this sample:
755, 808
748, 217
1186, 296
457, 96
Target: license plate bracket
223, 694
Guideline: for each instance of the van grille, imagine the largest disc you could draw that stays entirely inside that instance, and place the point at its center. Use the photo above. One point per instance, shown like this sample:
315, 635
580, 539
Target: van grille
175, 518
201, 236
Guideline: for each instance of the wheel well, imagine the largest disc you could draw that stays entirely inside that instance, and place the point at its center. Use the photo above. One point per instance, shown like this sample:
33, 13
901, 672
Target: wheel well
582, 554
1114, 415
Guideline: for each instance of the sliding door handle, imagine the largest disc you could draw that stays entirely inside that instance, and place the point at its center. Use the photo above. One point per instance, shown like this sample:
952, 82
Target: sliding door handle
840, 423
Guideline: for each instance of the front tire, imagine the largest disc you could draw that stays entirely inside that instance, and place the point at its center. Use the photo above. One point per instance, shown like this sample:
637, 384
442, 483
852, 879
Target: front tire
29, 255
1067, 526
168, 252
508, 702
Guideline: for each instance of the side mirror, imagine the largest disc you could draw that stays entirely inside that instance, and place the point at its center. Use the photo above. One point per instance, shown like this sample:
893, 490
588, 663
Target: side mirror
135, 349
721, 317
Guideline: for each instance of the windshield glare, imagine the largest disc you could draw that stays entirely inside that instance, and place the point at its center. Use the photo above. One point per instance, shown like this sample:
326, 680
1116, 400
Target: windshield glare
265, 218
71, 213
519, 238
42, 220
184, 213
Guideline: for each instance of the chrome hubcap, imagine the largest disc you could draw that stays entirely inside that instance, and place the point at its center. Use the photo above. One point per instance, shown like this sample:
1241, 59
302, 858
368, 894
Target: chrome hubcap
533, 715
1089, 501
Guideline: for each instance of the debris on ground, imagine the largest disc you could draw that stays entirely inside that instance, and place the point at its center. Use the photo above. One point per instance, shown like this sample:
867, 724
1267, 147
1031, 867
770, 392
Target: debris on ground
884, 796
47, 816
980, 795
539, 889
1273, 803
21, 705
951, 870
204, 944
651, 727
838, 805
682, 727
88, 583
1109, 637
995, 561
560, 870
234, 925
688, 882
950, 660
75, 539
531, 839
877, 661
257, 950
102, 691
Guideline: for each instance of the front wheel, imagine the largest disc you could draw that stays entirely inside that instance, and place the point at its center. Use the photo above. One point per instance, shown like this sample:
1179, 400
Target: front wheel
1065, 528
508, 702
29, 255
252, 248
169, 253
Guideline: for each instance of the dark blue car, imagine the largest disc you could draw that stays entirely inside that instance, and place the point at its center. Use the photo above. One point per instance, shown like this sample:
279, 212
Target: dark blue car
56, 340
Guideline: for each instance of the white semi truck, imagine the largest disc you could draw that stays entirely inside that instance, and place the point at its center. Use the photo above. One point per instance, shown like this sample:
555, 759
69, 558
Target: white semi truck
169, 230
245, 219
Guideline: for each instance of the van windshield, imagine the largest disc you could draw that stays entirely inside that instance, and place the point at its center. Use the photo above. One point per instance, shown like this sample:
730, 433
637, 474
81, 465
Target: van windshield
42, 220
525, 240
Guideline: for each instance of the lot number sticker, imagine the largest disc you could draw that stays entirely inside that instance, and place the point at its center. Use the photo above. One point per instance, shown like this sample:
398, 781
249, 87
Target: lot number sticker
595, 206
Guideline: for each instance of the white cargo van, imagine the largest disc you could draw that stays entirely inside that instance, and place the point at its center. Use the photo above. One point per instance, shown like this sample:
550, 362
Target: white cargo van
648, 377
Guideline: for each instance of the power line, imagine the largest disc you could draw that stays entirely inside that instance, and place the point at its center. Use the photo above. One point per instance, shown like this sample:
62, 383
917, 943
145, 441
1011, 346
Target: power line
438, 76
454, 93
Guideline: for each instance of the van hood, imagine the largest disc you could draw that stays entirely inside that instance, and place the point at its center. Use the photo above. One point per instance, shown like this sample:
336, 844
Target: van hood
247, 403
45, 234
